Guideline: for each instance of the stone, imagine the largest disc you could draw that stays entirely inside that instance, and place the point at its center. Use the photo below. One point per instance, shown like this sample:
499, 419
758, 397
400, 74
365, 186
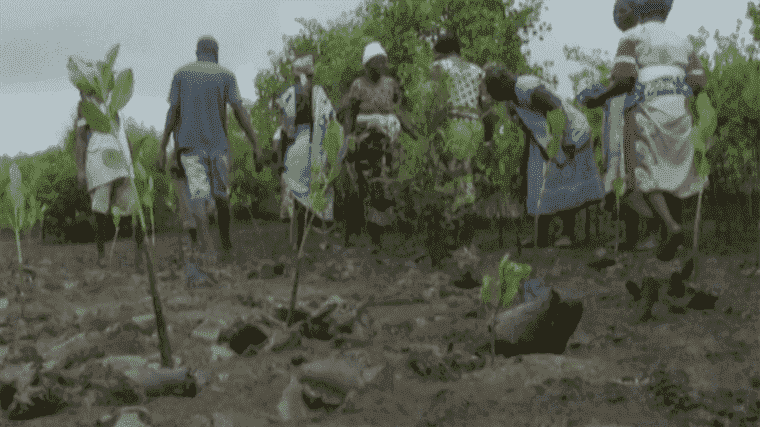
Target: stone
222, 420
291, 406
136, 416
94, 277
25, 392
157, 381
200, 421
408, 285
283, 339
219, 352
342, 372
146, 323
209, 330
334, 316
73, 351
180, 302
543, 325
125, 362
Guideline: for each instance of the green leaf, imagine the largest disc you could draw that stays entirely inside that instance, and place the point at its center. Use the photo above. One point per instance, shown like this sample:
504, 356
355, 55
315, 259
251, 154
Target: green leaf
485, 290
332, 142
557, 122
141, 173
122, 91
318, 201
425, 7
111, 55
82, 76
106, 78
15, 185
510, 275
619, 187
704, 167
95, 118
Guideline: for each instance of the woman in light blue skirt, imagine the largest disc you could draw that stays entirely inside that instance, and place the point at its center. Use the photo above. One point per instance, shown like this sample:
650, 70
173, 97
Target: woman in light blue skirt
561, 185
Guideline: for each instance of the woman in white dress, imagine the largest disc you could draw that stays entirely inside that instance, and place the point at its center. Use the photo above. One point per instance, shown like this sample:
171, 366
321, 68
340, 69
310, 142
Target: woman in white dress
664, 69
307, 115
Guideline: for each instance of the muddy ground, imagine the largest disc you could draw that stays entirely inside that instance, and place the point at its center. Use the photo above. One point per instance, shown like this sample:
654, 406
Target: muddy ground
700, 367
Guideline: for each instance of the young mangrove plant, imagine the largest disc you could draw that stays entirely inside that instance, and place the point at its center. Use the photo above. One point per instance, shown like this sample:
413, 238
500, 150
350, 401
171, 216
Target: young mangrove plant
511, 274
98, 80
322, 178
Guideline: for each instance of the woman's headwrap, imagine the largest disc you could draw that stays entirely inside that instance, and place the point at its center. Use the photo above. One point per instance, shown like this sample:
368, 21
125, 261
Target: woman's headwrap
447, 42
304, 65
622, 9
654, 6
640, 8
372, 50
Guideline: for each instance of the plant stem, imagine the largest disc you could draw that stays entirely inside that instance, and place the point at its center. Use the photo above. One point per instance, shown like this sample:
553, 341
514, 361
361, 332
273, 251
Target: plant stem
113, 246
153, 228
695, 245
294, 293
538, 204
164, 346
19, 284
18, 247
493, 337
617, 223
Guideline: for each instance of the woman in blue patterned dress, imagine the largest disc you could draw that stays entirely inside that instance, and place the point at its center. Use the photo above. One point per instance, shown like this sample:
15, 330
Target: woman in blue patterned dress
570, 181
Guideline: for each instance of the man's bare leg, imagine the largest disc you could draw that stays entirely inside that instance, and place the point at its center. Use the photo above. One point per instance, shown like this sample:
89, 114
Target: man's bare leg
191, 251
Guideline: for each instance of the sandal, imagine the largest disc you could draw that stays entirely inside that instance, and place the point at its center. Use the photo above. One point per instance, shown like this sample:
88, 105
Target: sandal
667, 250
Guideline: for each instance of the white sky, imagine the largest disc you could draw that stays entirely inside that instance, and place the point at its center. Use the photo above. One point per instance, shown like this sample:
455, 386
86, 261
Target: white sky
157, 37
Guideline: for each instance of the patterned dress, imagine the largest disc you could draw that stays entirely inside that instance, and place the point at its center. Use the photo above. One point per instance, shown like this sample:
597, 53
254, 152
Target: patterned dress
660, 60
464, 128
567, 183
109, 169
376, 137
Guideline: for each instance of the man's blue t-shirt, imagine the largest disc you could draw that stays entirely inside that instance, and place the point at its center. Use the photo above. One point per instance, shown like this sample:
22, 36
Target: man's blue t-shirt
202, 90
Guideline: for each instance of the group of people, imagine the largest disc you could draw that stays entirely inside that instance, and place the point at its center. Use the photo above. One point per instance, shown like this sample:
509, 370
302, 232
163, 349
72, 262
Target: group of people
646, 138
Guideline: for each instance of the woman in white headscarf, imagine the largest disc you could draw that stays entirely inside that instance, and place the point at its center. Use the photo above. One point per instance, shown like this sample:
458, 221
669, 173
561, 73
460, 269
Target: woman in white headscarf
372, 106
307, 114
665, 70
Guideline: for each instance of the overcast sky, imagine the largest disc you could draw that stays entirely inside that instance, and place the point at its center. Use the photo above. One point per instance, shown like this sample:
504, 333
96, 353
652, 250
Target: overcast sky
157, 37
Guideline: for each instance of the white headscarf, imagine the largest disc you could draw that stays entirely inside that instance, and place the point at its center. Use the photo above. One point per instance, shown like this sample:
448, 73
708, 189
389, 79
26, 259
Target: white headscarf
304, 65
372, 50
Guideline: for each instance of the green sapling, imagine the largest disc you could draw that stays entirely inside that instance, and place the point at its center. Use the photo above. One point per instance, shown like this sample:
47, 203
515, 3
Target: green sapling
510, 276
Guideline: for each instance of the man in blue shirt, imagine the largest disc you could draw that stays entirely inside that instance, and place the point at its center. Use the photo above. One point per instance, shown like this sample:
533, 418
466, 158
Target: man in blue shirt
197, 115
